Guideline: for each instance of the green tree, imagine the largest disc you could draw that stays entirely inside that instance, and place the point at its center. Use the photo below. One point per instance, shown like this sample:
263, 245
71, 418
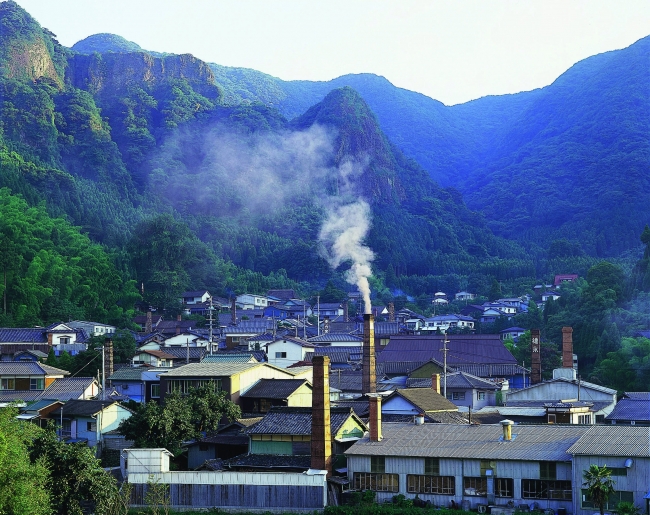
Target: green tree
24, 482
179, 418
600, 485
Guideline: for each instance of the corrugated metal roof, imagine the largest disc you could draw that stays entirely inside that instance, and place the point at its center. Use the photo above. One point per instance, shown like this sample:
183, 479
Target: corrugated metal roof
614, 441
425, 399
336, 337
222, 357
211, 369
81, 408
484, 442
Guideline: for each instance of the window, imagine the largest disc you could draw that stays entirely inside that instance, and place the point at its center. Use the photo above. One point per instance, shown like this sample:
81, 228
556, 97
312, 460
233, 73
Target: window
551, 418
584, 419
547, 470
64, 340
8, 383
155, 391
618, 471
377, 464
181, 385
36, 383
504, 487
443, 485
384, 341
431, 466
376, 482
204, 447
458, 396
480, 396
279, 355
542, 489
91, 426
475, 486
488, 465
614, 499
215, 383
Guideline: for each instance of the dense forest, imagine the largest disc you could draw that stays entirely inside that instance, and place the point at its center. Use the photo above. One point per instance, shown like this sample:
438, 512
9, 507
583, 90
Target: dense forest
132, 175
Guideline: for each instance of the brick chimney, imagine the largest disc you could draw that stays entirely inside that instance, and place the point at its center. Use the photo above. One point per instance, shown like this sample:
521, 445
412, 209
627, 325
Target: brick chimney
108, 357
567, 347
321, 429
391, 312
346, 312
374, 417
148, 326
233, 311
435, 383
536, 360
368, 374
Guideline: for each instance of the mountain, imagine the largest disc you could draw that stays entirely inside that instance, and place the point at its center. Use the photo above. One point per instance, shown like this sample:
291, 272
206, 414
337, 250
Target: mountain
104, 42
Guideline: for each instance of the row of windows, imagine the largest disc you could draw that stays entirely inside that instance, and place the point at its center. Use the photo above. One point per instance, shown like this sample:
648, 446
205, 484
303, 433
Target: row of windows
9, 383
184, 385
473, 486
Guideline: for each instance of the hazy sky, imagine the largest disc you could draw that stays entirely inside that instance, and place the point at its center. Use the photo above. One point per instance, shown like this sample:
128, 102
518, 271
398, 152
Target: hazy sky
450, 50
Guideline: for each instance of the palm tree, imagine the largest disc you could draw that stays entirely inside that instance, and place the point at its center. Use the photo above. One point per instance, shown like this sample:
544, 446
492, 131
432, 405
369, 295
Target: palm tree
600, 485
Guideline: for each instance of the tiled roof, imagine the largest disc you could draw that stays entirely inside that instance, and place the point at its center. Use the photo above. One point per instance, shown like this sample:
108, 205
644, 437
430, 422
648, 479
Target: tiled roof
614, 440
160, 354
81, 408
425, 399
229, 357
282, 294
128, 374
196, 293
628, 409
454, 380
29, 368
462, 349
491, 369
478, 442
39, 405
19, 395
218, 369
33, 352
297, 341
346, 380
336, 337
638, 396
23, 335
340, 355
274, 388
296, 421
67, 388
180, 353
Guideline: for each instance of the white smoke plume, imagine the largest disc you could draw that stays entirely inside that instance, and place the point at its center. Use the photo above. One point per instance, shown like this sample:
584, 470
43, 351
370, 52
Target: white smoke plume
344, 229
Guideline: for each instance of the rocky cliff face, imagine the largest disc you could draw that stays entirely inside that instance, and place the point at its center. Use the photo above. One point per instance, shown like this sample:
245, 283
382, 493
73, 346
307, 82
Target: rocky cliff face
106, 73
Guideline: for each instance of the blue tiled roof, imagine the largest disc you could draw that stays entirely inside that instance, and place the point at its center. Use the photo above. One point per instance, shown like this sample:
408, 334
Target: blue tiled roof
628, 409
23, 335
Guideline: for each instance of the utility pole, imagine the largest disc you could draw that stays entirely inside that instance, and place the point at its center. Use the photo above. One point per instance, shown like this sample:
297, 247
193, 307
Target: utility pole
210, 340
444, 366
103, 373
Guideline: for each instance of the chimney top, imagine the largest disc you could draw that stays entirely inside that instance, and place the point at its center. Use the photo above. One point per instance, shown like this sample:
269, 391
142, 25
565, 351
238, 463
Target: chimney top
507, 429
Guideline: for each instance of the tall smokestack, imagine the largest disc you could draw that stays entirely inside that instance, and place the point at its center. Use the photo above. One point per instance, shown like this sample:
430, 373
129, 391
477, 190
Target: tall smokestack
108, 357
369, 379
346, 312
535, 359
233, 311
567, 347
391, 312
374, 417
148, 327
321, 429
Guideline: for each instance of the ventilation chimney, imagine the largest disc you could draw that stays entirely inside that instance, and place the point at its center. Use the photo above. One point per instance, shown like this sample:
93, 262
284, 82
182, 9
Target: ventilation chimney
391, 312
374, 417
369, 379
435, 383
567, 347
507, 429
321, 429
148, 327
233, 311
536, 360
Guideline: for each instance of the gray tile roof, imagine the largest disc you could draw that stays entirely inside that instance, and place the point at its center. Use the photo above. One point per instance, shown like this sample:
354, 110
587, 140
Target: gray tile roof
462, 349
228, 357
340, 355
20, 395
632, 408
67, 388
81, 408
23, 335
29, 368
296, 421
180, 352
336, 337
274, 388
491, 369
638, 395
128, 374
270, 461
614, 440
484, 442
204, 369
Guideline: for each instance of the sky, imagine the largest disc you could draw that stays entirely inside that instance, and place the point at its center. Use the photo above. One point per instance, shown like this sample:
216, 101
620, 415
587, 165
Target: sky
451, 50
